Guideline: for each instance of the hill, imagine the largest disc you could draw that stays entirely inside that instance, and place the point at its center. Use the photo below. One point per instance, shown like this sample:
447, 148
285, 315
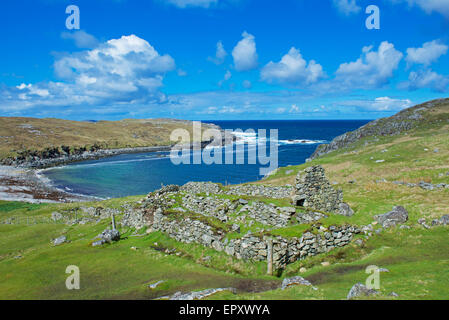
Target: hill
426, 115
28, 138
375, 173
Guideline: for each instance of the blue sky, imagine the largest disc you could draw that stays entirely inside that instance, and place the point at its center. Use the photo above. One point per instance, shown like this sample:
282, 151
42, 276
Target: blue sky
221, 59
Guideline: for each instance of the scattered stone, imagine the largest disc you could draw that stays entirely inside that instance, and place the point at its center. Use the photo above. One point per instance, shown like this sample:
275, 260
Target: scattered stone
325, 264
360, 290
243, 202
444, 220
107, 236
156, 284
359, 242
404, 227
396, 216
60, 240
198, 295
380, 161
235, 228
345, 210
288, 282
302, 270
383, 270
56, 216
393, 294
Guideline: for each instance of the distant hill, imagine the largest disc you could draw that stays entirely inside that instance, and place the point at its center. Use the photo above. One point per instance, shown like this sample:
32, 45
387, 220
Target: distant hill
45, 138
432, 113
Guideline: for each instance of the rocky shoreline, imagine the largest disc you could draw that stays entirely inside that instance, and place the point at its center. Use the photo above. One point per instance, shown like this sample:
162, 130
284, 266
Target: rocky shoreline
20, 179
26, 185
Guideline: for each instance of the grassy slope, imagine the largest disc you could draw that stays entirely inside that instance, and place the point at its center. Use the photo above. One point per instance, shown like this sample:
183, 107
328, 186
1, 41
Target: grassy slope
418, 259
17, 134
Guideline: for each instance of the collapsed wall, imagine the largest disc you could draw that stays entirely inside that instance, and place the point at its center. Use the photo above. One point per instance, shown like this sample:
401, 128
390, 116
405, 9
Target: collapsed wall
313, 190
254, 247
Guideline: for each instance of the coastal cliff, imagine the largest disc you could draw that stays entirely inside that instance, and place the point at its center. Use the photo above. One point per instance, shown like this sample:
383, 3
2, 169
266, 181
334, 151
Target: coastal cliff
42, 143
426, 114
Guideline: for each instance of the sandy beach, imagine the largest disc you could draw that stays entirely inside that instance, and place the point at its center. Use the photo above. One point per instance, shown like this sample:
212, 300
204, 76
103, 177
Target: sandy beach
21, 184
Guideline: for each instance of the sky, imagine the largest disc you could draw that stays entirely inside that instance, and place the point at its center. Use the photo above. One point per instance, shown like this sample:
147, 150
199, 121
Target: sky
221, 59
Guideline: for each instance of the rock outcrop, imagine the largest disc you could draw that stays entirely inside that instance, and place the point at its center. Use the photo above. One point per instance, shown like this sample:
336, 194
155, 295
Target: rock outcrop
360, 290
401, 122
396, 216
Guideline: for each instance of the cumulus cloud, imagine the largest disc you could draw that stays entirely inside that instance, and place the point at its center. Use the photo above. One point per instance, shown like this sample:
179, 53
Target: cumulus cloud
247, 84
220, 54
426, 79
427, 54
192, 3
245, 53
347, 7
126, 70
429, 6
292, 69
380, 104
372, 70
81, 38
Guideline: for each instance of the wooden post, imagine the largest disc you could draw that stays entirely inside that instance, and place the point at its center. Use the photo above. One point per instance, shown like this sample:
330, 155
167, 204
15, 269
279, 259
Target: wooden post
113, 221
270, 257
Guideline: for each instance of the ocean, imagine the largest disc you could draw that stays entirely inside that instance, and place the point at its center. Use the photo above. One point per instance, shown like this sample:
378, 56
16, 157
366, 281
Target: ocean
141, 173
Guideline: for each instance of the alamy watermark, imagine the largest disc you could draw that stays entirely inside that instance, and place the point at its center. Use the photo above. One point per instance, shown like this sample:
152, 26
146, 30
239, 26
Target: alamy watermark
373, 281
73, 20
213, 146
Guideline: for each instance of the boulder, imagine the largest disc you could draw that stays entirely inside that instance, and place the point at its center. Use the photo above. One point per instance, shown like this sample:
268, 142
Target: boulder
60, 240
345, 210
294, 281
107, 236
56, 216
360, 290
396, 216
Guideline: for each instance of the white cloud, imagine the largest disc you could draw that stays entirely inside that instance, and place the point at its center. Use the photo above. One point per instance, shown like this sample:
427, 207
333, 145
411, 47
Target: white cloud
247, 84
380, 104
295, 109
245, 53
292, 69
228, 75
427, 54
426, 79
347, 7
192, 3
372, 70
82, 39
220, 54
429, 6
182, 73
121, 71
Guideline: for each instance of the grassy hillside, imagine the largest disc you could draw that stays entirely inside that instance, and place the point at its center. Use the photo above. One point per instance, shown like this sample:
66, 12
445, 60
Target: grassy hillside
417, 258
19, 134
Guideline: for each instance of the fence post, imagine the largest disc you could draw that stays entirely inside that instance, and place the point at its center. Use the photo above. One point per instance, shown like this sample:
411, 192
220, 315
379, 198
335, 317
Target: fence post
270, 257
113, 221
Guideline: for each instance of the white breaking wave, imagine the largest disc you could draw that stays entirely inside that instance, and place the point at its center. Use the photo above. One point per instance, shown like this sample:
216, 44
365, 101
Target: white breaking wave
252, 138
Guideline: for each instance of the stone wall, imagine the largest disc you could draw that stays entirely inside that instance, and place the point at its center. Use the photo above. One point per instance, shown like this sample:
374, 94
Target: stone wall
313, 190
254, 247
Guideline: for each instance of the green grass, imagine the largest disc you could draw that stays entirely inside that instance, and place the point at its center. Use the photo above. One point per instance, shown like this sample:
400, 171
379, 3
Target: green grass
418, 259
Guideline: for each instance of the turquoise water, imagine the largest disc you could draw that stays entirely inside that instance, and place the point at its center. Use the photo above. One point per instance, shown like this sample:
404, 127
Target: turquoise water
136, 174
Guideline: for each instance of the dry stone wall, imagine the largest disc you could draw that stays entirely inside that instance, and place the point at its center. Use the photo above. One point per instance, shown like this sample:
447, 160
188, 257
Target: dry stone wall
254, 247
313, 190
